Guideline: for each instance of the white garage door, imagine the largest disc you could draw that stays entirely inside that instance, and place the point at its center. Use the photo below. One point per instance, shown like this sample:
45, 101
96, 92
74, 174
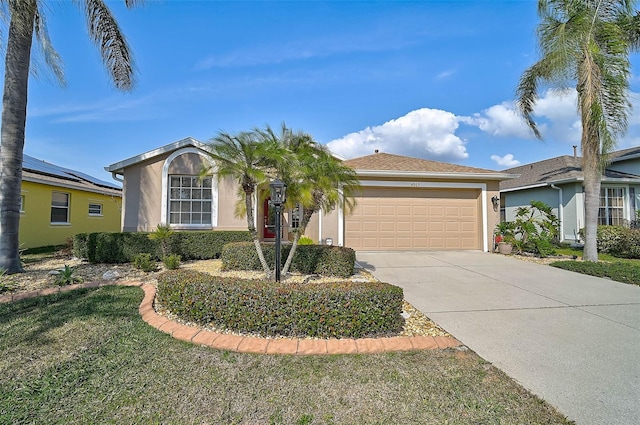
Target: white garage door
404, 219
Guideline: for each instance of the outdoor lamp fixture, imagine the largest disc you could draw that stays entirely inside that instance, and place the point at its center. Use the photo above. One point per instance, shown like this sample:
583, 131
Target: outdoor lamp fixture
496, 202
278, 197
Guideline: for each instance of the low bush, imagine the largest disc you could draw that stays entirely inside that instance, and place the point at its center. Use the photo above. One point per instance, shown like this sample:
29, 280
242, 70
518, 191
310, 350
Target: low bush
619, 241
171, 262
122, 247
323, 310
305, 240
622, 271
145, 263
309, 259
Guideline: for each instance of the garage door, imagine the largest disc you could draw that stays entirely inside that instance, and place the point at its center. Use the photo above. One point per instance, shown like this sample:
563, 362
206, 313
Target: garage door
404, 219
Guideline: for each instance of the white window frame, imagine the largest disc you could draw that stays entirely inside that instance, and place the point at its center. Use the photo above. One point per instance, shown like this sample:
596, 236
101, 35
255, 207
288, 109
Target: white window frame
164, 213
21, 203
189, 199
95, 214
67, 208
607, 219
297, 221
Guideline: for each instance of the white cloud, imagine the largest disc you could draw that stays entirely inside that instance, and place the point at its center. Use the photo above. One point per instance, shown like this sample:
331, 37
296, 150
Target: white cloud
555, 115
426, 133
500, 120
444, 75
506, 161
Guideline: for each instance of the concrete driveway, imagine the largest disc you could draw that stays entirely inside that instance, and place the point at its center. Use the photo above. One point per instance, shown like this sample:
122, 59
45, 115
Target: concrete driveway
572, 339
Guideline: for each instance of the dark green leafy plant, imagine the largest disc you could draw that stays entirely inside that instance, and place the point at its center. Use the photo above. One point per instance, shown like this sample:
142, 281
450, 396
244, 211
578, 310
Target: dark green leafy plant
309, 259
145, 263
67, 276
323, 310
171, 262
535, 229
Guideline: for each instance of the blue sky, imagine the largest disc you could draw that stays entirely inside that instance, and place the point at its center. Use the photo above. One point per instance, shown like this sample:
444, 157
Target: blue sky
431, 79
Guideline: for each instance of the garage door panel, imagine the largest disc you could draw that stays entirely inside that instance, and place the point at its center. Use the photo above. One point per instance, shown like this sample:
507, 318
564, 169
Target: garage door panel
388, 219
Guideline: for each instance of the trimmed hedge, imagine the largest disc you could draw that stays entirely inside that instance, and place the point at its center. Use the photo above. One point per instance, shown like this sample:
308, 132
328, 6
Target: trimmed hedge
309, 259
626, 272
123, 247
323, 310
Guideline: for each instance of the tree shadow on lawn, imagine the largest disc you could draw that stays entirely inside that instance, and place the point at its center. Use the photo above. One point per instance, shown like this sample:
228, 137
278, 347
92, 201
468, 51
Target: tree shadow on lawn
53, 311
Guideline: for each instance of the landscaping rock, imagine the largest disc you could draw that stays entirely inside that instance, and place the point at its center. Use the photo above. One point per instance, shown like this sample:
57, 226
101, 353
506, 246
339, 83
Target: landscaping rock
111, 275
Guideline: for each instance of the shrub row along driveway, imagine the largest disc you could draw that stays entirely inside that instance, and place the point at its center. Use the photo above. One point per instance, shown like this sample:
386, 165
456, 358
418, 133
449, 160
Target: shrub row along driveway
570, 338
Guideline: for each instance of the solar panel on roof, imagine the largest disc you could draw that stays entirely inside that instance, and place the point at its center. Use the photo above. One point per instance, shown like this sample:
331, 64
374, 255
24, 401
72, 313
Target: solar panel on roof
37, 165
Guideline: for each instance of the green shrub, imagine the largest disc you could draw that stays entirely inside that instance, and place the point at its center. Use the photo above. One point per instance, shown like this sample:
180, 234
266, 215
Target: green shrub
309, 259
171, 262
323, 310
627, 272
145, 263
205, 245
305, 240
66, 276
123, 247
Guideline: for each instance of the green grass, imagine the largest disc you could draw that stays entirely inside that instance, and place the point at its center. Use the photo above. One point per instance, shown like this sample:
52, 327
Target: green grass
627, 271
86, 356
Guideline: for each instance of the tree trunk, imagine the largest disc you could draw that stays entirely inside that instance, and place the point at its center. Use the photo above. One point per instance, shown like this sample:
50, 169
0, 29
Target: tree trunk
592, 172
306, 217
14, 115
248, 199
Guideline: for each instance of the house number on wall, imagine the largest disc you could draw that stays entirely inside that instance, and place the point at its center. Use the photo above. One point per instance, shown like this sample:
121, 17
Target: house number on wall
415, 184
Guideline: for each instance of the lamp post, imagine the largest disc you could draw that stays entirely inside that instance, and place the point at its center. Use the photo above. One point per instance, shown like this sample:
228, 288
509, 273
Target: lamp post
278, 197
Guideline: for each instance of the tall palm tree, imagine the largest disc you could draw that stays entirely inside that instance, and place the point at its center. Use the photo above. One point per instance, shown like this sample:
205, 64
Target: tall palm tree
245, 159
586, 44
321, 182
27, 21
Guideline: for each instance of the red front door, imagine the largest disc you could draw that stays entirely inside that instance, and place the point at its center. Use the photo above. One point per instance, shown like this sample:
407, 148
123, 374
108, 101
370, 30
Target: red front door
269, 220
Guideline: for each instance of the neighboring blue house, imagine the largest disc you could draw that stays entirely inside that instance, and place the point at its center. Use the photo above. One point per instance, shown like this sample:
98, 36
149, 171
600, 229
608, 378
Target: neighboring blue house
558, 183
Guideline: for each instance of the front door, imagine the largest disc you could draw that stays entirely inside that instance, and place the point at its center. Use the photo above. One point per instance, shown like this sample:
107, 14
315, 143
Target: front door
269, 220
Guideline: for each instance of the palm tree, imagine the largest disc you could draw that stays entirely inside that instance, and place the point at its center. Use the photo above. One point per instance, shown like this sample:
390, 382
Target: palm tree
320, 182
245, 159
26, 21
586, 44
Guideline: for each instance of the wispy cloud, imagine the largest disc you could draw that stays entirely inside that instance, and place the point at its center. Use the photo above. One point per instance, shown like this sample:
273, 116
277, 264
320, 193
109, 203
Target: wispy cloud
445, 75
277, 53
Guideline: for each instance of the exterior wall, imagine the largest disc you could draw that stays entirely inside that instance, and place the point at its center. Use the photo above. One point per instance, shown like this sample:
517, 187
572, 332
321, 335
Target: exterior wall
572, 212
143, 196
631, 166
35, 221
143, 193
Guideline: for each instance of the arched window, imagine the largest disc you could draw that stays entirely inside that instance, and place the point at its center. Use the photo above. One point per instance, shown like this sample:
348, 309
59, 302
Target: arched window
188, 202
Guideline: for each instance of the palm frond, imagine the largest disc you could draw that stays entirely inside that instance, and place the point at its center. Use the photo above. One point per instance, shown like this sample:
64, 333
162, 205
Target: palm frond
105, 32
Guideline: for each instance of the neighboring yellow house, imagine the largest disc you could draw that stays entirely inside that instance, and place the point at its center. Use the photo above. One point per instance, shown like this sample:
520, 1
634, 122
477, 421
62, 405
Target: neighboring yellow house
57, 203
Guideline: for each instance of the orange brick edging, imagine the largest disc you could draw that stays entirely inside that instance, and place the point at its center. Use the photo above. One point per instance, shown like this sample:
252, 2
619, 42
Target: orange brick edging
247, 344
298, 346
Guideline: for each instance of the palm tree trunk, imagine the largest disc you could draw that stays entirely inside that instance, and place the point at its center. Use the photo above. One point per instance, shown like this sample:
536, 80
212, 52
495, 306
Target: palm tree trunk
14, 115
306, 217
592, 176
248, 199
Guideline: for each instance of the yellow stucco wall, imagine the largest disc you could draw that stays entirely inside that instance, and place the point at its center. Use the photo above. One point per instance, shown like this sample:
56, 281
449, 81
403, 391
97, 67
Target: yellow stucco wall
36, 228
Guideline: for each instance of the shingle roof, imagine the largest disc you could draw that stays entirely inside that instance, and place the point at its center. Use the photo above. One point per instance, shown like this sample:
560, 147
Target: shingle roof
390, 162
560, 168
624, 154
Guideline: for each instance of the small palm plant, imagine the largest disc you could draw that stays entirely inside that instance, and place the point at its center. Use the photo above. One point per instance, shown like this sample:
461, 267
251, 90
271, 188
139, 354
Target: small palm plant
66, 276
162, 234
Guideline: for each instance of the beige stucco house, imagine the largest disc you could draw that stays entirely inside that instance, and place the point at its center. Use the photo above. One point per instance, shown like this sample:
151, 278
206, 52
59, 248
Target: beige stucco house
404, 204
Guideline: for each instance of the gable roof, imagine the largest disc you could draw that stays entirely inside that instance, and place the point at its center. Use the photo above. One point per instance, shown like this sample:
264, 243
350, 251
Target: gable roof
561, 169
386, 164
119, 166
625, 154
39, 171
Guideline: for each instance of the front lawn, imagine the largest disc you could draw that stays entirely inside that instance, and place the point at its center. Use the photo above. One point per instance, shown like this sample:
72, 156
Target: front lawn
86, 356
626, 271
